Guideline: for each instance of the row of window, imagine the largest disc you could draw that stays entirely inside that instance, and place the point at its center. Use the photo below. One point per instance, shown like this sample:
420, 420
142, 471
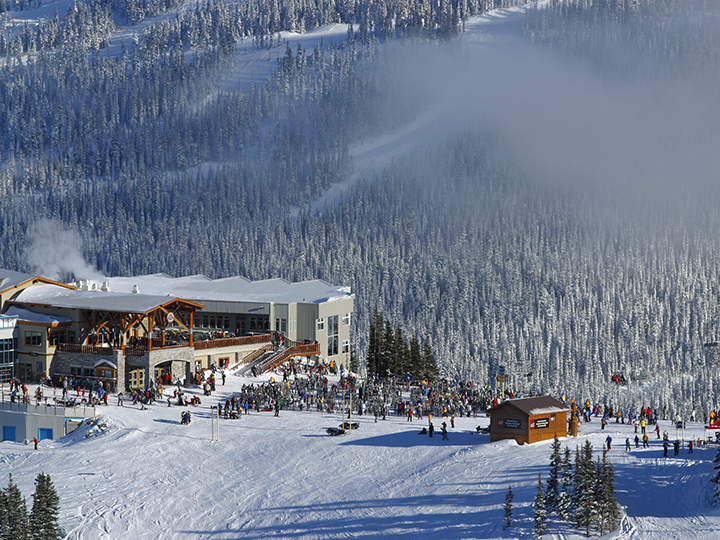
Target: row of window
82, 372
334, 318
34, 338
215, 321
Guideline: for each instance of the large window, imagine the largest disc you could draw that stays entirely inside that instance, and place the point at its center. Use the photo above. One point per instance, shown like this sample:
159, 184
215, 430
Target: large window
33, 339
332, 335
8, 355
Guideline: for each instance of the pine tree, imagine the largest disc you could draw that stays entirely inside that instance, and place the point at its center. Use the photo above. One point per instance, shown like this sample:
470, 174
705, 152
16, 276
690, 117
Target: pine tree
3, 513
553, 483
16, 516
716, 478
540, 510
416, 367
564, 503
430, 370
584, 495
609, 513
508, 507
46, 505
375, 344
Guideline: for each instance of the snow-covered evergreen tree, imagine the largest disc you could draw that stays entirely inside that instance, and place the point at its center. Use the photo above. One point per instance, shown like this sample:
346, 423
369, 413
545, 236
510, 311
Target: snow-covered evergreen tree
565, 501
45, 509
553, 484
540, 509
585, 500
609, 513
716, 478
15, 525
508, 508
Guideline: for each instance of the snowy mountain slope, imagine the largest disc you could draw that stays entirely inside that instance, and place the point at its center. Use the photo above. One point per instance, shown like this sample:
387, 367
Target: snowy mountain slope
141, 474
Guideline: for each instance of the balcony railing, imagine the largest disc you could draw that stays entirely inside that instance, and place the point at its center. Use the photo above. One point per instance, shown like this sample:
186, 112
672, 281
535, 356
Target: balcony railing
141, 349
232, 342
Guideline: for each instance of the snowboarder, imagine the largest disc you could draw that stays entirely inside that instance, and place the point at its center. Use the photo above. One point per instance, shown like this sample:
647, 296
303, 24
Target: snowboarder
444, 432
223, 377
666, 445
120, 399
690, 447
627, 444
36, 442
657, 430
676, 447
608, 442
431, 429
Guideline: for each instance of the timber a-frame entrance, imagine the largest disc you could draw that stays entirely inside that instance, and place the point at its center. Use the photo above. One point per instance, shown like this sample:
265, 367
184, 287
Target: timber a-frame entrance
125, 328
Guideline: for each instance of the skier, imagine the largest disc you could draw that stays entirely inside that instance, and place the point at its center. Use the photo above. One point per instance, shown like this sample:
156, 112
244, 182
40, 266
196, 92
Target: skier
452, 421
444, 432
36, 442
431, 429
627, 444
608, 442
657, 430
666, 445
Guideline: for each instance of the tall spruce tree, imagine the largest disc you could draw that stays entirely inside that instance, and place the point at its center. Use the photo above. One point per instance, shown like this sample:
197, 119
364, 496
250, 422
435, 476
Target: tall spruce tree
553, 483
416, 364
375, 344
609, 513
46, 505
540, 509
3, 513
585, 501
430, 370
16, 515
508, 507
388, 350
564, 503
716, 479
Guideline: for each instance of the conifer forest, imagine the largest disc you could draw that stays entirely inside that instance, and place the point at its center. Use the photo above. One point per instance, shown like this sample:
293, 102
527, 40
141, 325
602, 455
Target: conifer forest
562, 221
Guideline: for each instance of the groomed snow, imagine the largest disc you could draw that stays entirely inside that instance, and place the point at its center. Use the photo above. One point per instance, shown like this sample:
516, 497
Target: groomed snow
140, 474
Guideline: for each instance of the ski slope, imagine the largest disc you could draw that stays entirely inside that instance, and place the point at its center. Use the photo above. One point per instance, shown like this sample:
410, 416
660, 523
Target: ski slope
141, 474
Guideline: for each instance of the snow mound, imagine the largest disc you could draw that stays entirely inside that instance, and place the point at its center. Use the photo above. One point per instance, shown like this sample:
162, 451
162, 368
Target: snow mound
99, 426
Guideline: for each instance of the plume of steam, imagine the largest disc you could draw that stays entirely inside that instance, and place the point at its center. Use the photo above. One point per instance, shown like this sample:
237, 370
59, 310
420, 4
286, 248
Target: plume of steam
56, 252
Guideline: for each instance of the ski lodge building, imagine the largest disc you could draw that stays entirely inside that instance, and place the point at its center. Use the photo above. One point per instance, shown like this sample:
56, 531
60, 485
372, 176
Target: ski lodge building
127, 331
528, 420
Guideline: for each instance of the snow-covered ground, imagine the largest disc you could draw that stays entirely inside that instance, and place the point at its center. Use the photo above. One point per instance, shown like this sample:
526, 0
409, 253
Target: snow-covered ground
141, 474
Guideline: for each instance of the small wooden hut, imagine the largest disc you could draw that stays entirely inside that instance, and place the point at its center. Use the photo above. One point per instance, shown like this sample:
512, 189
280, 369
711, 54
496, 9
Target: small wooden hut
529, 420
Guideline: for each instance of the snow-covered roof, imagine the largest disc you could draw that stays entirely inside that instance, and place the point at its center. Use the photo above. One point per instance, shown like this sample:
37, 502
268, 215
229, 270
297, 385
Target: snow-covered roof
10, 279
30, 316
105, 363
97, 300
535, 405
232, 289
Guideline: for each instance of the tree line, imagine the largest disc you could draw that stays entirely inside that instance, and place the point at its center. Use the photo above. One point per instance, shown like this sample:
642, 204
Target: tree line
391, 353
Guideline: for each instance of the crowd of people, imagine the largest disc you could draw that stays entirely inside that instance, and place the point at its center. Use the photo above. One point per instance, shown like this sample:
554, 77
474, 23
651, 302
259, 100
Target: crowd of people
305, 386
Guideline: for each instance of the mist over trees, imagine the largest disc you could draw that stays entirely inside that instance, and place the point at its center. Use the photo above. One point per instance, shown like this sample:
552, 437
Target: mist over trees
160, 168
